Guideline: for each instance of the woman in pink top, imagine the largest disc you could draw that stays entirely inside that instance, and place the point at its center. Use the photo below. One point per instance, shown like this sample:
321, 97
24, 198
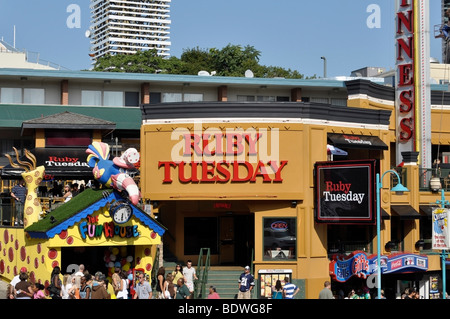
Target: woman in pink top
212, 293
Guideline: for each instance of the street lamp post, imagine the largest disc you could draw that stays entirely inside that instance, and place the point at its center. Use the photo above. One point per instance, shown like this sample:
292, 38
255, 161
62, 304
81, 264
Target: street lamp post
324, 66
399, 188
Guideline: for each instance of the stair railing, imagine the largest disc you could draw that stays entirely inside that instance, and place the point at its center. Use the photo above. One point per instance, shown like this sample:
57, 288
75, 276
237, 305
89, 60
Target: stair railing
155, 268
202, 270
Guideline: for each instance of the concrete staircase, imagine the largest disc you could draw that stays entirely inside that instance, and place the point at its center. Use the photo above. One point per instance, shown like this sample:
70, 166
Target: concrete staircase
225, 279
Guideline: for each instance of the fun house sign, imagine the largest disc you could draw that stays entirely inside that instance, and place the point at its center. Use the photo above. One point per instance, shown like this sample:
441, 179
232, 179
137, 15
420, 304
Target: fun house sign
344, 192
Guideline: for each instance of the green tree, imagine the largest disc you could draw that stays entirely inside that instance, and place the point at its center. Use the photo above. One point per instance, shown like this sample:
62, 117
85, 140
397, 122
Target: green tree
141, 62
232, 60
195, 60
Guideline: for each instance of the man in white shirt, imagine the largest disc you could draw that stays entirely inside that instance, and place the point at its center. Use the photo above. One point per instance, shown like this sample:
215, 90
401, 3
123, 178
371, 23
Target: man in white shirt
14, 281
189, 276
80, 271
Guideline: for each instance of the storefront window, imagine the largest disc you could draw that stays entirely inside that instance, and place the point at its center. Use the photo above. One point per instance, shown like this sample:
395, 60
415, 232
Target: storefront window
345, 239
280, 238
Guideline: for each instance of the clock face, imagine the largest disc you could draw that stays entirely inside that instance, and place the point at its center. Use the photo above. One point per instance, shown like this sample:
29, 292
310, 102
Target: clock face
122, 214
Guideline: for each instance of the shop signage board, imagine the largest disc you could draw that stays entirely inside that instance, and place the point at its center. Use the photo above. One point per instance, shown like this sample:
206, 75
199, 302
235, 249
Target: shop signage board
412, 80
268, 279
359, 264
344, 192
242, 161
440, 235
65, 163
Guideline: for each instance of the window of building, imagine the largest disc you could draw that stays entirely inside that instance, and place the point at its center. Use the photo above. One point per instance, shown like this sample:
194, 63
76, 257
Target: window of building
262, 98
57, 138
11, 95
33, 96
193, 97
339, 102
397, 234
177, 97
131, 98
172, 97
113, 98
92, 98
426, 232
319, 100
155, 97
280, 238
345, 239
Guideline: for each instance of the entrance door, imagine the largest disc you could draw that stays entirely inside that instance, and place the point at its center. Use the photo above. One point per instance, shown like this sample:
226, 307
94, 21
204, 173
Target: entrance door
226, 240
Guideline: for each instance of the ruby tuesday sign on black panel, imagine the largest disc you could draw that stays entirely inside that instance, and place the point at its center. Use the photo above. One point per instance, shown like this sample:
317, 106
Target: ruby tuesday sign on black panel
344, 192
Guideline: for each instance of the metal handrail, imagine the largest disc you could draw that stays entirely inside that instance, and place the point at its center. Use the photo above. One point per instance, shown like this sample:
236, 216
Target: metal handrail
202, 269
155, 269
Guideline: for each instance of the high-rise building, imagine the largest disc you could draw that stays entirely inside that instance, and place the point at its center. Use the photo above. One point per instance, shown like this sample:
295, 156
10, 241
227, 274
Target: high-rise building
128, 26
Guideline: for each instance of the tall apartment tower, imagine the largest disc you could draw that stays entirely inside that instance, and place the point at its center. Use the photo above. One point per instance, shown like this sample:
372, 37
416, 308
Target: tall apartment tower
128, 26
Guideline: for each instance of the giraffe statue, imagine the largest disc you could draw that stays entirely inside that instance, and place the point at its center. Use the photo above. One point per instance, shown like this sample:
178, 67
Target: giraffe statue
33, 177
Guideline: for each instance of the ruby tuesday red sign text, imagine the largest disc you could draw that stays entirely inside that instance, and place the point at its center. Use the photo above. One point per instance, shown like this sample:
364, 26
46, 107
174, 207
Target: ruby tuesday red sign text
341, 192
230, 156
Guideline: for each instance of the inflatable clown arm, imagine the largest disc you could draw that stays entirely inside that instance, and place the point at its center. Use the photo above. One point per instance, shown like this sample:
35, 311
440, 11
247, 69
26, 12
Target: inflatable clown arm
123, 181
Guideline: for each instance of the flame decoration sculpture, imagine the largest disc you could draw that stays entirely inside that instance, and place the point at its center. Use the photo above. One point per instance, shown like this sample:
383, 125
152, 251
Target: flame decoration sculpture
33, 177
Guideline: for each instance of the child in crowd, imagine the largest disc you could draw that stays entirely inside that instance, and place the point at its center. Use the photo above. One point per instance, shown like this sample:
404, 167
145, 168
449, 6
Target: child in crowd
38, 291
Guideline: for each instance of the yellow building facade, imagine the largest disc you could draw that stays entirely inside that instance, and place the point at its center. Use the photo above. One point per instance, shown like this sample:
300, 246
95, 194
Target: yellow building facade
231, 183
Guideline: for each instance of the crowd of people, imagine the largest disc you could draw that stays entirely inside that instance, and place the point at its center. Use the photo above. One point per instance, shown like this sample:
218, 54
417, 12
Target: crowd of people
177, 284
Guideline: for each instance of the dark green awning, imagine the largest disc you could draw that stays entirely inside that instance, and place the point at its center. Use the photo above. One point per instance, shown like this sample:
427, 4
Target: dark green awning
125, 118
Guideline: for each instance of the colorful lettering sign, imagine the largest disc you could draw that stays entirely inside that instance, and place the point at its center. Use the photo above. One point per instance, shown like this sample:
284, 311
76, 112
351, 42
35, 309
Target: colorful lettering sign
90, 228
214, 156
360, 265
440, 236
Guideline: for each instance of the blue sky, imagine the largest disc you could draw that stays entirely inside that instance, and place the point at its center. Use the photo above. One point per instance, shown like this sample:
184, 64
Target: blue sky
291, 34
